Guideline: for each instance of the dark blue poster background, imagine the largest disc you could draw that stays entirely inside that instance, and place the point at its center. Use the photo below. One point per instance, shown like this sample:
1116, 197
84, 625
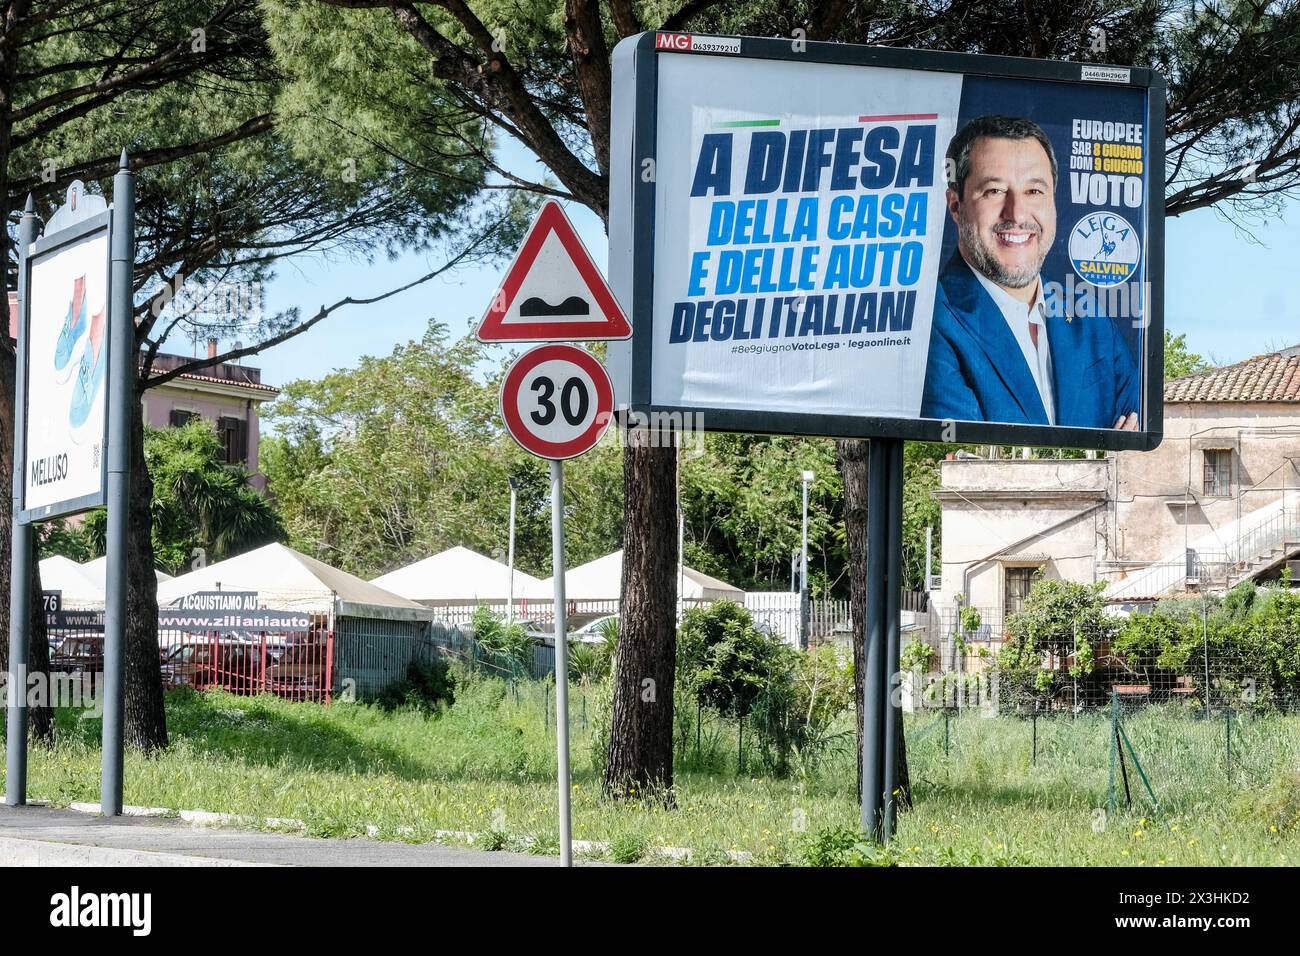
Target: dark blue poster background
1055, 107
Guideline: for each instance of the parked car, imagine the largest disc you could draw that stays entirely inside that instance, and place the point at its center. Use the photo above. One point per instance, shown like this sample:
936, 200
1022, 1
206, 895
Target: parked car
301, 666
593, 632
229, 664
75, 655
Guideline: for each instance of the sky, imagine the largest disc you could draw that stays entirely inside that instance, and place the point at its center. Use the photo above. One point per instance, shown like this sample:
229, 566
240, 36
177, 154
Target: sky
1229, 294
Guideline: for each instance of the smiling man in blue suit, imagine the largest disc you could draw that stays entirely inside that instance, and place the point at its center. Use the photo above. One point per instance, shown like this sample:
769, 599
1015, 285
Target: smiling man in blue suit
996, 353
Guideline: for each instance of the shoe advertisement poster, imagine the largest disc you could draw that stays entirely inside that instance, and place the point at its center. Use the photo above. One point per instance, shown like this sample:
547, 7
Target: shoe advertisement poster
67, 366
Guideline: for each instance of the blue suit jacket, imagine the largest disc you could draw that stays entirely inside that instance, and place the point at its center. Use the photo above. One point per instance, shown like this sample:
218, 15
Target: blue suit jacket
977, 373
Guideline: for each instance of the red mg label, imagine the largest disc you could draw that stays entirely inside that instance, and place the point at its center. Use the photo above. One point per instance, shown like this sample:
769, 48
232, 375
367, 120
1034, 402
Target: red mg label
672, 41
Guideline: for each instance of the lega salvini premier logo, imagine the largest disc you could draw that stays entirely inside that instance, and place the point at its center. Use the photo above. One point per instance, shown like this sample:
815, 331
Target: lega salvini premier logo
1104, 249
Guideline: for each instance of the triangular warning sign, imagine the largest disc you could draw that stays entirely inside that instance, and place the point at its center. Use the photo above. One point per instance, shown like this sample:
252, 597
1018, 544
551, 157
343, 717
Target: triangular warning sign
553, 292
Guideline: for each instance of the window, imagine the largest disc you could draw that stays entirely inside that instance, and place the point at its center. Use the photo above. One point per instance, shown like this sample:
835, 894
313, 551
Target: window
1218, 472
1018, 583
233, 433
179, 417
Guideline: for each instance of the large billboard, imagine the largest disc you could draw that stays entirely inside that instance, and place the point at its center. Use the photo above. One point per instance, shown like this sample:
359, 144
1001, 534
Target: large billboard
66, 346
860, 241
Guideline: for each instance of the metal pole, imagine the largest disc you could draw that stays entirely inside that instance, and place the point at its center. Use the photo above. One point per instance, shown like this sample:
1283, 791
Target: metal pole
1205, 637
874, 678
121, 356
807, 477
20, 583
510, 555
681, 560
929, 557
893, 631
561, 660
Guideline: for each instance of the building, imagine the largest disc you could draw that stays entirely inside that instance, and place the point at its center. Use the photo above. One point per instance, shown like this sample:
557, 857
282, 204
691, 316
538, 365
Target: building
227, 394
1216, 503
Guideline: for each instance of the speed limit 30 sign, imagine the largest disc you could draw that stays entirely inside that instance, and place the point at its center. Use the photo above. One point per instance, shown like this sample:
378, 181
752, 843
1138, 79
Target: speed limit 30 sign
557, 401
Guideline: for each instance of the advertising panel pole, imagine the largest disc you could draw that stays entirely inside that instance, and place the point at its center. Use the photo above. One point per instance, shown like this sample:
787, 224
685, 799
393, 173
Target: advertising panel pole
873, 676
893, 630
20, 589
121, 354
561, 659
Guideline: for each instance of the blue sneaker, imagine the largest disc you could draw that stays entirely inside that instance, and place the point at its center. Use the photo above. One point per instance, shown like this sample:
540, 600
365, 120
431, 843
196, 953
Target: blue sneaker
90, 372
73, 327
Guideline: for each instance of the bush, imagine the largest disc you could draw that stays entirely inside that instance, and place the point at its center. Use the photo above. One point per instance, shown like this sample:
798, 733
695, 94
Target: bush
843, 846
501, 646
428, 686
724, 659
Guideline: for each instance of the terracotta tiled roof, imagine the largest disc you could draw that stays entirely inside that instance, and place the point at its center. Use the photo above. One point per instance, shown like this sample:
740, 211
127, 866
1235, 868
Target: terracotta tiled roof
1265, 378
255, 386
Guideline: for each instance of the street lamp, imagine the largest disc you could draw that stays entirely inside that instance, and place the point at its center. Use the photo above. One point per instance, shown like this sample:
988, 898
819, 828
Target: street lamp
510, 558
806, 478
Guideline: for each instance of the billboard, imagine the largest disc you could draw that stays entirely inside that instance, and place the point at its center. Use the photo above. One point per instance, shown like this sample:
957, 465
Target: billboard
65, 332
868, 242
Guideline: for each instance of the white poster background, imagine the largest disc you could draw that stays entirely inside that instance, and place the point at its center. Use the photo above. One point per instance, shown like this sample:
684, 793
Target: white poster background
50, 434
697, 92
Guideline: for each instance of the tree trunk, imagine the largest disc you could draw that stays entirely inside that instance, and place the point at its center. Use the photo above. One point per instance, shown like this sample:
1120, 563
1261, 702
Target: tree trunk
145, 717
640, 755
40, 719
853, 471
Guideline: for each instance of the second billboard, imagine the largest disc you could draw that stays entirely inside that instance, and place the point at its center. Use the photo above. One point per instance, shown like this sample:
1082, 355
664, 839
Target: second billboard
865, 242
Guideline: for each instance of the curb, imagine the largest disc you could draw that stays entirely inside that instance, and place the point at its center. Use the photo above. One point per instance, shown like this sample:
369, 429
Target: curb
15, 851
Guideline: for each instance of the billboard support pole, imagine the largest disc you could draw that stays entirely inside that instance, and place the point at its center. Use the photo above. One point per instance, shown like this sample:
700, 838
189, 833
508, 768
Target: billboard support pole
893, 630
121, 356
20, 584
880, 757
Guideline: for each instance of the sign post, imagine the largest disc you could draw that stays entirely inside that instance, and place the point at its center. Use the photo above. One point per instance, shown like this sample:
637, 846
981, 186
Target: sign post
799, 234
76, 354
21, 561
557, 401
122, 355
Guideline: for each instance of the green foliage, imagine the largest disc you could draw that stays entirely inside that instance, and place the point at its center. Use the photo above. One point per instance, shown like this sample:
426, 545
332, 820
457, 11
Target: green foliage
503, 645
1179, 360
429, 686
797, 716
843, 846
1252, 639
200, 503
724, 659
916, 656
627, 848
404, 456
1059, 619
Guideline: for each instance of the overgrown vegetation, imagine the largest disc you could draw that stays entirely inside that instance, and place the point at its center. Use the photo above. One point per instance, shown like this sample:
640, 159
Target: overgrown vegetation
486, 764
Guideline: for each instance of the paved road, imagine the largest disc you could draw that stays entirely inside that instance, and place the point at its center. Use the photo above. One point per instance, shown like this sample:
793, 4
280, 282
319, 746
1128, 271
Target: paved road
43, 836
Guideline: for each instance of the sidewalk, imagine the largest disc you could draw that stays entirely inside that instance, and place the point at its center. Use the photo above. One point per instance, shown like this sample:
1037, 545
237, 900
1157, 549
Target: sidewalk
43, 836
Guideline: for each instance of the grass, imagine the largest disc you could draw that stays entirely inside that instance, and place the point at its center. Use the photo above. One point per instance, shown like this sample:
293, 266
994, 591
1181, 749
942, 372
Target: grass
486, 767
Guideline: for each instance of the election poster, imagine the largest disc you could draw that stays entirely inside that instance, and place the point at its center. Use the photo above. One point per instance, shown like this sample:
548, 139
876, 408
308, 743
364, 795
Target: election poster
67, 364
851, 241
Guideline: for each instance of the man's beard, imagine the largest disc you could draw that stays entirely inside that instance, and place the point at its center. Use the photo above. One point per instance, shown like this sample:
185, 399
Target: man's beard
984, 259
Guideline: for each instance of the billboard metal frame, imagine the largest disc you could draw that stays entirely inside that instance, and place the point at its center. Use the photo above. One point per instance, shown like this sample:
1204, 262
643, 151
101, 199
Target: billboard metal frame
101, 223
642, 245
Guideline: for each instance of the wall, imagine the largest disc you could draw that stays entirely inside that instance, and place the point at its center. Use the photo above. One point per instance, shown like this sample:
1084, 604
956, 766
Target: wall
1007, 513
1151, 499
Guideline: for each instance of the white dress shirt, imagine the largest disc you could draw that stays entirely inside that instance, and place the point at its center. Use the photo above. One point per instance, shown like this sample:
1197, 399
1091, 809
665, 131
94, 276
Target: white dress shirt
1019, 317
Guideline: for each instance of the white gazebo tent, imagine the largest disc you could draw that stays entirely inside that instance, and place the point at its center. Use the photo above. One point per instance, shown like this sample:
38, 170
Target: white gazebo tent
376, 633
98, 571
460, 576
79, 589
602, 580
